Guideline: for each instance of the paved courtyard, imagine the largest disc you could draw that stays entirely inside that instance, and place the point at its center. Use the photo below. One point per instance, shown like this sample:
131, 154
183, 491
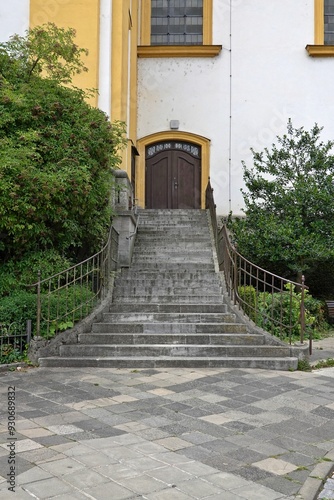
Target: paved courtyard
160, 434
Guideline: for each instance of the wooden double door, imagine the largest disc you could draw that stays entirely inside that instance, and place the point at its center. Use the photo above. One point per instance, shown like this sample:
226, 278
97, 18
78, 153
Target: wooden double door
173, 175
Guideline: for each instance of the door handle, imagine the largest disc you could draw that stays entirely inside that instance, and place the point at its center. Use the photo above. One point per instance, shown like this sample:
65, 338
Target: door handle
175, 183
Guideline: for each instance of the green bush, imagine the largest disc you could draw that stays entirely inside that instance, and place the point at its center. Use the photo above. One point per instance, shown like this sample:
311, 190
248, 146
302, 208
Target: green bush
247, 295
59, 312
284, 308
57, 153
65, 307
10, 354
17, 274
17, 309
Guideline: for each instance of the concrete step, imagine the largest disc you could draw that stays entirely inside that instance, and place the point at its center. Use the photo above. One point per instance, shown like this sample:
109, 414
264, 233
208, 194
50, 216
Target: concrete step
287, 363
179, 350
169, 235
144, 317
168, 328
168, 299
183, 236
143, 286
236, 339
167, 290
150, 212
141, 281
133, 307
172, 217
173, 256
181, 275
172, 214
185, 265
159, 223
172, 248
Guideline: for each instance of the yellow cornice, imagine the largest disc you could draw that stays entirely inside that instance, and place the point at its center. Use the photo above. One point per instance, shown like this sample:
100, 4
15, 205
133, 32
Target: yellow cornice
179, 50
320, 50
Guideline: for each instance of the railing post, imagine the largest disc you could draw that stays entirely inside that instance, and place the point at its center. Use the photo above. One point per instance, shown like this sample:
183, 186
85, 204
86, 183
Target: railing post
28, 330
38, 318
302, 313
235, 278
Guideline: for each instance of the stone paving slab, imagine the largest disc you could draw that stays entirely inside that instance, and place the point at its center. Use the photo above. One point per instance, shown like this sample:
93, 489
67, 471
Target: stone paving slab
228, 434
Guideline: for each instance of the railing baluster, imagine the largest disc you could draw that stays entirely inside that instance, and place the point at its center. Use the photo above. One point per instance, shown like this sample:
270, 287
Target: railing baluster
38, 317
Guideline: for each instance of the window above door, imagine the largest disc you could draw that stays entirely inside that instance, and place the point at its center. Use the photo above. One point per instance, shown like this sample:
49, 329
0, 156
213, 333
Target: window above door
175, 22
323, 29
177, 28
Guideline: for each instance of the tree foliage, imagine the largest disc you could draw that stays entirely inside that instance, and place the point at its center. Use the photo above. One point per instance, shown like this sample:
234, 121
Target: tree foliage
57, 153
289, 203
45, 49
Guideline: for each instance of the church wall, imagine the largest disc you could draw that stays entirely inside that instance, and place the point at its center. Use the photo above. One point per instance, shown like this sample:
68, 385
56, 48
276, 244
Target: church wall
243, 98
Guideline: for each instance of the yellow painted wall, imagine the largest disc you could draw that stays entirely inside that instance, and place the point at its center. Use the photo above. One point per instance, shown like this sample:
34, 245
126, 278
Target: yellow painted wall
134, 76
84, 17
124, 70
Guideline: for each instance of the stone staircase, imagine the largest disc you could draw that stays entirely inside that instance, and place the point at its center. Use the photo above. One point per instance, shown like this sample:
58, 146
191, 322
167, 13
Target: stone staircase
168, 309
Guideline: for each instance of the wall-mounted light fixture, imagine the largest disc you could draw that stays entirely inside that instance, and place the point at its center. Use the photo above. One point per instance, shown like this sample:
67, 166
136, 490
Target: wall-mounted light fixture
174, 124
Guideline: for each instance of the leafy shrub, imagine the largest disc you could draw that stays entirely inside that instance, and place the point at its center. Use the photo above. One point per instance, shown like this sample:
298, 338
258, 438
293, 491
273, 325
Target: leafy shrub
289, 203
283, 308
17, 308
248, 298
10, 354
65, 307
57, 153
59, 312
16, 274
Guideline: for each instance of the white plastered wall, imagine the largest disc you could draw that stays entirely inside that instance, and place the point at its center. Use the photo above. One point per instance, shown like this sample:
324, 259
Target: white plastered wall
243, 98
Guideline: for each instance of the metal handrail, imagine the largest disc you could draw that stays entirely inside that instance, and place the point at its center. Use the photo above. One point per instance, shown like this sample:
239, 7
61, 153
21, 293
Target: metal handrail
269, 300
70, 295
131, 235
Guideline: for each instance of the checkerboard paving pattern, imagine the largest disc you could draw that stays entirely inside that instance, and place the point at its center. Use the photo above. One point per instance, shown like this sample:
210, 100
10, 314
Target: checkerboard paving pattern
227, 434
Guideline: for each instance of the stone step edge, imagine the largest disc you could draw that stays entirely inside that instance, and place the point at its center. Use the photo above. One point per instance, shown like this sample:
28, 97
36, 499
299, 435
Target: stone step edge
131, 307
164, 334
284, 364
137, 339
209, 346
175, 325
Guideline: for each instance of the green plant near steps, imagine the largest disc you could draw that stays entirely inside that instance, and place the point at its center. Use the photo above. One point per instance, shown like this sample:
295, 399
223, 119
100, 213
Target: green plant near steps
325, 363
304, 365
60, 326
59, 312
17, 308
247, 295
269, 310
10, 354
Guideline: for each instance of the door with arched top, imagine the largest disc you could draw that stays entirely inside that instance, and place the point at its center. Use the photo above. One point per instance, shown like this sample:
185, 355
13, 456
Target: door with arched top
173, 175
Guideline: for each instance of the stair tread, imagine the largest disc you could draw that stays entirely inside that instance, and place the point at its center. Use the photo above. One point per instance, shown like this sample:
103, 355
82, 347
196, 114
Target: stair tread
262, 347
241, 358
